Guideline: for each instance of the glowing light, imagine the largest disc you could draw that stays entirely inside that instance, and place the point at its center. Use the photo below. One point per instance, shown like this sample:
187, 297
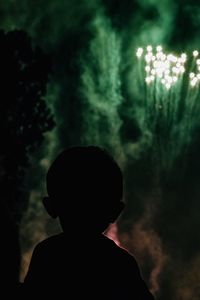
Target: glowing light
149, 48
174, 59
158, 55
175, 70
147, 69
156, 64
170, 79
148, 80
168, 69
184, 55
195, 53
182, 69
192, 75
147, 58
168, 85
170, 57
163, 81
159, 73
152, 77
194, 81
159, 48
139, 52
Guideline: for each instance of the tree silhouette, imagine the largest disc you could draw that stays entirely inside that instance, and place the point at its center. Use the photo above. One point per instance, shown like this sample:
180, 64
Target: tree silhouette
24, 117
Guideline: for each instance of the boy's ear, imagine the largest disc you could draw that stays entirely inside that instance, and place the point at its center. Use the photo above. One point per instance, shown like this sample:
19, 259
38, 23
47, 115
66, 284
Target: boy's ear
50, 207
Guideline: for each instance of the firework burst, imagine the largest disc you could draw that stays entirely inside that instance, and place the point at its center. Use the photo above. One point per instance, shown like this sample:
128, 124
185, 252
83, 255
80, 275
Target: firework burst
171, 103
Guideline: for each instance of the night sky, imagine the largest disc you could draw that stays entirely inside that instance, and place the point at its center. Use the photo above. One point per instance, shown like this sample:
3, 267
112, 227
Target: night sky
97, 95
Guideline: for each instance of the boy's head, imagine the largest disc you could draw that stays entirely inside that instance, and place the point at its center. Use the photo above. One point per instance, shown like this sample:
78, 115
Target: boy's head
85, 187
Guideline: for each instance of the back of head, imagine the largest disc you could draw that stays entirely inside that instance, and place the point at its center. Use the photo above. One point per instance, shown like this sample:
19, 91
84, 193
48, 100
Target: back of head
85, 186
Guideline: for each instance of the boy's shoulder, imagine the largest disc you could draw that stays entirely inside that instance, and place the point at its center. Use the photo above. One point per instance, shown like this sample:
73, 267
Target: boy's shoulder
121, 255
52, 245
51, 241
100, 248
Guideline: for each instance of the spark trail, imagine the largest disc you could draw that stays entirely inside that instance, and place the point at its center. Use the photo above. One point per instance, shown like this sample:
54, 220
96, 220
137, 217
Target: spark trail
170, 101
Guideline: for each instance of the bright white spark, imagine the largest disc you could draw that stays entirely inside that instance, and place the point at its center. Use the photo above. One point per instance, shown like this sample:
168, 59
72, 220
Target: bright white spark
159, 48
139, 52
195, 53
149, 48
168, 68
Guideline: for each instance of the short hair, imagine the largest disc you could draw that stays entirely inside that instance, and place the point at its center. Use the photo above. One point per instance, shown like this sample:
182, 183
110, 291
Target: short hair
85, 171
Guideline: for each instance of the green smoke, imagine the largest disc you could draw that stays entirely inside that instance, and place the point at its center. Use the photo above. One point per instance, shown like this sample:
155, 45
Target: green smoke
101, 86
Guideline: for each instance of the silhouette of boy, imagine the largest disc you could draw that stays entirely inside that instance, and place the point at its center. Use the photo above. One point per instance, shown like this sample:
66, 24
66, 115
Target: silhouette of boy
85, 188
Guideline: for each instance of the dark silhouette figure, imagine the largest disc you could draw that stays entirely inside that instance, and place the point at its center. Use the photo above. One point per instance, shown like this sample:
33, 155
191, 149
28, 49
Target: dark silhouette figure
85, 189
